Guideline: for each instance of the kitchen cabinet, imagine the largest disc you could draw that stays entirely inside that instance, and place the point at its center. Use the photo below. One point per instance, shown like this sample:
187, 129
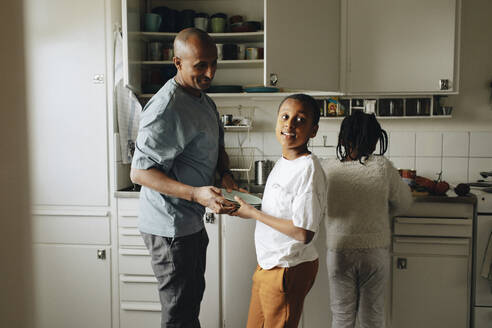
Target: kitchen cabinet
431, 267
140, 72
401, 46
139, 298
66, 67
72, 269
302, 44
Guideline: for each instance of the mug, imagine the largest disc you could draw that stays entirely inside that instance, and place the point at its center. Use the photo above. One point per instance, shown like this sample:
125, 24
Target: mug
218, 24
241, 51
155, 50
167, 54
152, 22
219, 51
251, 53
201, 23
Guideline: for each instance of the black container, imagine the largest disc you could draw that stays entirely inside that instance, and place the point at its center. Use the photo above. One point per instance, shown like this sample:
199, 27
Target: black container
229, 51
390, 107
169, 18
186, 19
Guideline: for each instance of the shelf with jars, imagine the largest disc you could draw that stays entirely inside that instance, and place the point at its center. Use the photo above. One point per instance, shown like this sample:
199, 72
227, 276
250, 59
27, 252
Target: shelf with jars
385, 107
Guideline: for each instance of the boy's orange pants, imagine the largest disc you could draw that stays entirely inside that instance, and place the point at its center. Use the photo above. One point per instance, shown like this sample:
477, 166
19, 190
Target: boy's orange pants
277, 295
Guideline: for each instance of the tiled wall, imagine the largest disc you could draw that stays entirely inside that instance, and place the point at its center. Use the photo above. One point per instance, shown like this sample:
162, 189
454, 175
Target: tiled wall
459, 155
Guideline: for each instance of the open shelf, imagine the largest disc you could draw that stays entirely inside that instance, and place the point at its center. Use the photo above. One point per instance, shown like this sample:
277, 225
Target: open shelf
245, 63
218, 37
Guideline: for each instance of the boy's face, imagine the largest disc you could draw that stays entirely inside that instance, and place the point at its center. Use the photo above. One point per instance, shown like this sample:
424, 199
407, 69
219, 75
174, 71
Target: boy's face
294, 126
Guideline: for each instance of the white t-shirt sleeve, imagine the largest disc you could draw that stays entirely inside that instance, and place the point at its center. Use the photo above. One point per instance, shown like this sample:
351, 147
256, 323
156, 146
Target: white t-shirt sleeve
307, 209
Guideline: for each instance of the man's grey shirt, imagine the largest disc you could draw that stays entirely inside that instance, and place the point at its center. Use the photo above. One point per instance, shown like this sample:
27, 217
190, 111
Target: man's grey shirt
180, 135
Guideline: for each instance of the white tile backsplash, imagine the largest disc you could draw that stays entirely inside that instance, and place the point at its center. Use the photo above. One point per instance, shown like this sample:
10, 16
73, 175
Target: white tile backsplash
477, 165
271, 147
402, 144
428, 144
455, 144
403, 162
428, 167
455, 169
481, 144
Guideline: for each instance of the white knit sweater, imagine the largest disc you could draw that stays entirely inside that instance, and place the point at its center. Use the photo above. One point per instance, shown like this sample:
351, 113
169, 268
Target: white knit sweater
360, 199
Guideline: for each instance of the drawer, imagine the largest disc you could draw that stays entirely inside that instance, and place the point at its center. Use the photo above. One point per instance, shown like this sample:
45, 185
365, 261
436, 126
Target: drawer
129, 236
440, 227
91, 228
138, 288
135, 261
431, 246
135, 314
128, 204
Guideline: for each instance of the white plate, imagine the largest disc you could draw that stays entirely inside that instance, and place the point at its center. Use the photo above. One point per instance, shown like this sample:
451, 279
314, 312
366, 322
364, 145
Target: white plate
248, 198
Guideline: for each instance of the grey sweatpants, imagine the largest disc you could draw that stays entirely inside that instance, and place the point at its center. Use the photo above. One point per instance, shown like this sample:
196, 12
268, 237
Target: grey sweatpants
358, 280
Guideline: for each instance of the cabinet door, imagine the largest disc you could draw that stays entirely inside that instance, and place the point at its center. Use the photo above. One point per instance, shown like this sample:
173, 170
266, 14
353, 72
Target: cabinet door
430, 292
132, 44
302, 44
210, 307
400, 45
66, 73
72, 287
238, 265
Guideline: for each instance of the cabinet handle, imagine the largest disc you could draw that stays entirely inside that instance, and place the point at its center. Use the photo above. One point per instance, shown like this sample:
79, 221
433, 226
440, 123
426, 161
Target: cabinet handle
401, 263
98, 79
101, 254
210, 218
443, 84
273, 79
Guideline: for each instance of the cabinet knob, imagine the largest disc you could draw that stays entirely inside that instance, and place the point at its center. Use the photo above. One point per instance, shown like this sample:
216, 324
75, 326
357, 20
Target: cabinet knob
273, 79
210, 218
401, 263
443, 84
101, 254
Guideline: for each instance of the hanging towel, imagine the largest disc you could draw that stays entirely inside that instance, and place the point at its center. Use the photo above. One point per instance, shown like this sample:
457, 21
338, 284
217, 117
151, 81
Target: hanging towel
128, 107
487, 261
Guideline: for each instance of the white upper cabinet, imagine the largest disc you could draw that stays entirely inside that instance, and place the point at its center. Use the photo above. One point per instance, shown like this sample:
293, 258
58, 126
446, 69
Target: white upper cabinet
401, 46
66, 95
302, 44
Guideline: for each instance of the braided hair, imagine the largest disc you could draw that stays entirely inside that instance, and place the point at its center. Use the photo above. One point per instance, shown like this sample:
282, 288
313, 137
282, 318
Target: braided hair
360, 132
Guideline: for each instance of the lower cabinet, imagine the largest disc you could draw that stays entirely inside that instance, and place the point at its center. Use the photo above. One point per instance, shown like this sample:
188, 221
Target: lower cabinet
72, 271
139, 298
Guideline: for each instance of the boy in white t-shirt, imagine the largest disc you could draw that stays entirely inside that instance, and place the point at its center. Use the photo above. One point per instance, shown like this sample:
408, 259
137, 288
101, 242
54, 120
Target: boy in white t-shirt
292, 208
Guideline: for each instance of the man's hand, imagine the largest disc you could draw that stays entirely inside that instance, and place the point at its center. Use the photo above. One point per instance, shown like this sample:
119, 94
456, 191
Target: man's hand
212, 198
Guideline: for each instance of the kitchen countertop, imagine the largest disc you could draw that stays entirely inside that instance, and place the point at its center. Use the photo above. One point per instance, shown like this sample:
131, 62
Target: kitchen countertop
470, 199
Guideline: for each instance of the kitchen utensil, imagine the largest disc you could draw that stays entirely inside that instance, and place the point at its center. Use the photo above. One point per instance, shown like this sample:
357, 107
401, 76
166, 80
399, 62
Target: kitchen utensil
218, 22
220, 48
408, 176
226, 119
241, 51
261, 89
229, 51
169, 18
167, 53
152, 22
235, 19
225, 89
248, 198
201, 21
155, 50
251, 53
186, 19
262, 170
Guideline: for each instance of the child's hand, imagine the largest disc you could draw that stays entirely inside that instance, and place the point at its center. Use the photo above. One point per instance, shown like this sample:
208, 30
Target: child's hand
245, 210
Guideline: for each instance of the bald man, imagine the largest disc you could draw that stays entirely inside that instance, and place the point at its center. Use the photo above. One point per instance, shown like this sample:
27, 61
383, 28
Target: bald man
179, 150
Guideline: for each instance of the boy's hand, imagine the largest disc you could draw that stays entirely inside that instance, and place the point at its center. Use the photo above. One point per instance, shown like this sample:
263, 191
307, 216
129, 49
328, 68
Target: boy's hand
245, 210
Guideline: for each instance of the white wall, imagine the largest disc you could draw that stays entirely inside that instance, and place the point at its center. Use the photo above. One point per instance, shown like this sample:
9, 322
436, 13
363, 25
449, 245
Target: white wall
15, 243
